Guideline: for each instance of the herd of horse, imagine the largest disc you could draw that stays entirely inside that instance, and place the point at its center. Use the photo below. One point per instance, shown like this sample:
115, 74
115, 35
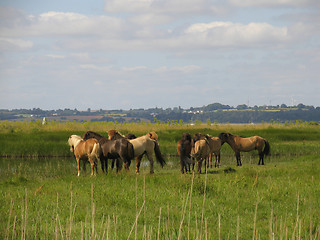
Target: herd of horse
194, 149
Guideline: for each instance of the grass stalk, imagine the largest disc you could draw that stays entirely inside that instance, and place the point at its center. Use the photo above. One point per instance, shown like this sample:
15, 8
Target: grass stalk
9, 220
92, 215
159, 224
190, 203
203, 204
238, 226
255, 219
219, 226
185, 203
136, 221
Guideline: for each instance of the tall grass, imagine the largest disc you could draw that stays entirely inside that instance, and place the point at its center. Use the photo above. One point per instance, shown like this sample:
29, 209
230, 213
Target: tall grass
41, 198
45, 199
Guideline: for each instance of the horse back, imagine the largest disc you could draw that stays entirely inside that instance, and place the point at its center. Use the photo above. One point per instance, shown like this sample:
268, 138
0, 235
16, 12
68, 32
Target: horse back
250, 143
142, 144
202, 148
84, 148
215, 144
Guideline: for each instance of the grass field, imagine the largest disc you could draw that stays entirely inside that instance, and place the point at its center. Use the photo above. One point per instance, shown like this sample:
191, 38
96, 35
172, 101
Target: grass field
41, 197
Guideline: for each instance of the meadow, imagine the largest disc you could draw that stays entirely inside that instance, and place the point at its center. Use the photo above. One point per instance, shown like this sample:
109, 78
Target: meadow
42, 198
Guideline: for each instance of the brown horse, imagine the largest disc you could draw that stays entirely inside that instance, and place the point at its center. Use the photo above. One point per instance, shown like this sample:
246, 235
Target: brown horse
143, 145
184, 150
239, 144
85, 150
201, 151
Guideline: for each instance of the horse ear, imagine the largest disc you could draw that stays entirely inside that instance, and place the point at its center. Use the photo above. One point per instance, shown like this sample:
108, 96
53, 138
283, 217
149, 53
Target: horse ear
150, 134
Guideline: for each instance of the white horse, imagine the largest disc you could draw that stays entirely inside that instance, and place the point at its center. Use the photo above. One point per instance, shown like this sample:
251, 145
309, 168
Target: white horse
85, 150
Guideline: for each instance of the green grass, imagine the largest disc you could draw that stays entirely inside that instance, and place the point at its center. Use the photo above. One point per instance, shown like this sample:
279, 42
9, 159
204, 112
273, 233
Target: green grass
43, 197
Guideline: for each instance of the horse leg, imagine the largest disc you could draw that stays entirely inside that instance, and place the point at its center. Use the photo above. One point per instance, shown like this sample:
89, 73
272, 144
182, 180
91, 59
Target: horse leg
149, 155
216, 164
127, 162
182, 164
112, 164
92, 165
102, 163
193, 162
138, 162
211, 156
199, 165
261, 155
106, 164
78, 165
119, 163
238, 159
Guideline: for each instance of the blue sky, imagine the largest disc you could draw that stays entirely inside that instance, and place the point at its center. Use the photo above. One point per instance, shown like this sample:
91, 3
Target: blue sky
123, 54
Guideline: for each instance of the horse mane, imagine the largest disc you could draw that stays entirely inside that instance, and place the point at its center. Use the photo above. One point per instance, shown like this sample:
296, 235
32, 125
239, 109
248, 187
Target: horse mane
113, 133
74, 140
186, 136
223, 134
130, 136
91, 133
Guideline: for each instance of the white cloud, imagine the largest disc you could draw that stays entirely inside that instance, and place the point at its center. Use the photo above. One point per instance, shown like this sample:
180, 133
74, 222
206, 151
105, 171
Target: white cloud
7, 44
64, 24
164, 6
275, 3
55, 56
236, 34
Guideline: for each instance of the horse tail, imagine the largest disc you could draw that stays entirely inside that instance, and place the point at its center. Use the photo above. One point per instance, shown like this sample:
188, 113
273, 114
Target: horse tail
96, 150
159, 156
266, 150
130, 150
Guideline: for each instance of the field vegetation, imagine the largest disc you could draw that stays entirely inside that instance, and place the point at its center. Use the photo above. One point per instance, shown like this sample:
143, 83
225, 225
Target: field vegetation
42, 198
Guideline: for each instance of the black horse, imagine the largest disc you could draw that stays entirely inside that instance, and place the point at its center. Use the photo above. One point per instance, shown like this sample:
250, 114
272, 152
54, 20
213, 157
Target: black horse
184, 151
120, 150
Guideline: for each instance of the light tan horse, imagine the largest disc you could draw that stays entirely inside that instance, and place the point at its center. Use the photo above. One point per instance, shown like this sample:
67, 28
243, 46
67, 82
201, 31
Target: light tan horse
146, 144
201, 151
239, 144
215, 144
85, 150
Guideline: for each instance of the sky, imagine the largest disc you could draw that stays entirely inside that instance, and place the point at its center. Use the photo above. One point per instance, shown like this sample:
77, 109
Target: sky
128, 54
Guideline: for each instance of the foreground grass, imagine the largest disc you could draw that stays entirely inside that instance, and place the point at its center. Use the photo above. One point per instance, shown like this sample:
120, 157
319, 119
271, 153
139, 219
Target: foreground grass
44, 199
41, 198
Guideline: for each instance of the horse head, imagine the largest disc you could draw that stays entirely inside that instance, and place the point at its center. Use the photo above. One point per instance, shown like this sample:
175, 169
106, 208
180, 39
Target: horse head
114, 135
73, 141
153, 136
224, 137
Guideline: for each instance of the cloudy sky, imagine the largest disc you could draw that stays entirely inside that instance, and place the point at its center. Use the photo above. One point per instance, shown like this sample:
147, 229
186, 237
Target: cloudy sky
123, 54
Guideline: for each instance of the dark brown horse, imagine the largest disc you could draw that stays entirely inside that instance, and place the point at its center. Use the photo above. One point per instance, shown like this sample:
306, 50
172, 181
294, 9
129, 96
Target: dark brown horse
184, 150
240, 144
146, 144
121, 150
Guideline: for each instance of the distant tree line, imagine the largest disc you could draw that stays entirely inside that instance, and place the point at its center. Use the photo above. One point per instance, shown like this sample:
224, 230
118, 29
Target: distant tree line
215, 112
